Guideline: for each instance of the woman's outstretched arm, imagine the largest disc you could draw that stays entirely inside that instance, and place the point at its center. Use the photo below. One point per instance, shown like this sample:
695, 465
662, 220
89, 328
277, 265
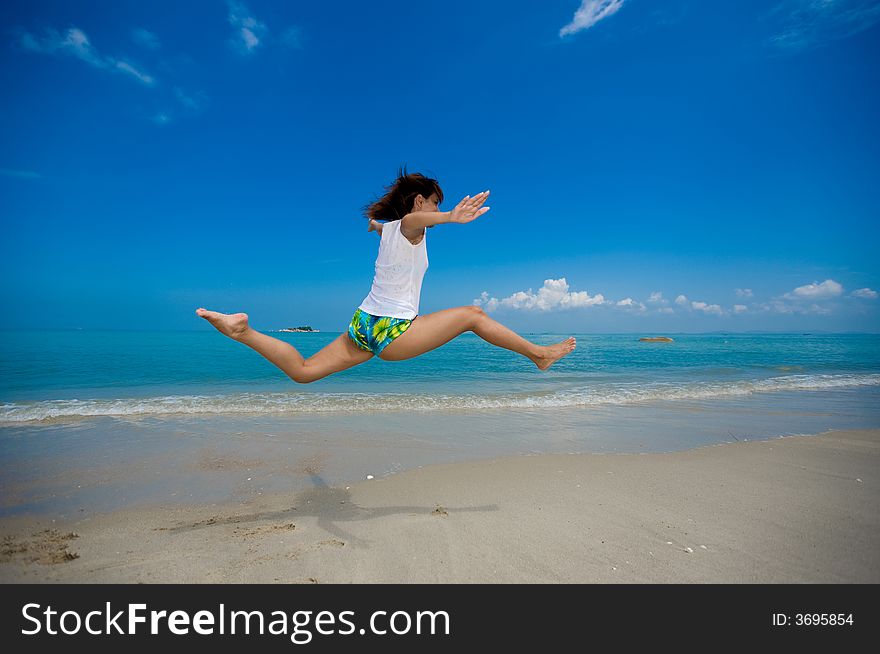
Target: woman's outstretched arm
465, 211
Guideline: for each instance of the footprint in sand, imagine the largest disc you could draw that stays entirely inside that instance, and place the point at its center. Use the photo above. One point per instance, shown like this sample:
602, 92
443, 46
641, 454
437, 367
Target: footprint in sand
47, 547
268, 529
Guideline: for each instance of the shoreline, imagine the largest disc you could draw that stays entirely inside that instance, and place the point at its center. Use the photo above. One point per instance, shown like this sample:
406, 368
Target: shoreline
103, 464
794, 509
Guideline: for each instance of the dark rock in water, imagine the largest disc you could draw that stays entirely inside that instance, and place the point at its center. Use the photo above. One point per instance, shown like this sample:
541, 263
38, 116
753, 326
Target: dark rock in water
305, 328
657, 339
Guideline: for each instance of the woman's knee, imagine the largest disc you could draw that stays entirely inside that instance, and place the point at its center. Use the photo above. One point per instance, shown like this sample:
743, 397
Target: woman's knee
475, 315
304, 376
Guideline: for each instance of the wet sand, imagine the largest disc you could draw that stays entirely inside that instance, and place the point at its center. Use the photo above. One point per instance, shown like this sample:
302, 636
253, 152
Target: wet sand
800, 509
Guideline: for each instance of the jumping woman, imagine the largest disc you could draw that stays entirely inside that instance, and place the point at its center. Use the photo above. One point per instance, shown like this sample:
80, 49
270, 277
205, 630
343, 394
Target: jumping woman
387, 323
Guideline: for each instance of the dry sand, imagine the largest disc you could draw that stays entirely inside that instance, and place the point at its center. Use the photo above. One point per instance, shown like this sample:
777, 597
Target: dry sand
798, 509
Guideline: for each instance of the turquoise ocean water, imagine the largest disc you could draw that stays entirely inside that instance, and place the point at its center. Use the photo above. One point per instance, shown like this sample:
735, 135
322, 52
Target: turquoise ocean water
162, 415
76, 374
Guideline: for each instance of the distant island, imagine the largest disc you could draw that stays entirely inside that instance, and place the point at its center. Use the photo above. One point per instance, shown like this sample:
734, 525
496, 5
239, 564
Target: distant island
657, 339
305, 328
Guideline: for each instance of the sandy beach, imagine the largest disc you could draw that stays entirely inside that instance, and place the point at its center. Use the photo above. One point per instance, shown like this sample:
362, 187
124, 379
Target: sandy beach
800, 509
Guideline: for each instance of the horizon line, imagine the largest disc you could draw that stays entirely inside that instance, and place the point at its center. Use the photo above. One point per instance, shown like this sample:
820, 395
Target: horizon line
321, 331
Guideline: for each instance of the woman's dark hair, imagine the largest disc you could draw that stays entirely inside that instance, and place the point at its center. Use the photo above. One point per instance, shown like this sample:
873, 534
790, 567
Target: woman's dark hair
400, 196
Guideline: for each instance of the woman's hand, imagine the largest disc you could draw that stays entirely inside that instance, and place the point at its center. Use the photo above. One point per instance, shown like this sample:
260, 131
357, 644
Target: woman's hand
469, 208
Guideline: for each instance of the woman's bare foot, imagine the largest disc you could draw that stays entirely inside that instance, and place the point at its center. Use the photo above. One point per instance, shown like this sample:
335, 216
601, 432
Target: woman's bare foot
233, 325
553, 353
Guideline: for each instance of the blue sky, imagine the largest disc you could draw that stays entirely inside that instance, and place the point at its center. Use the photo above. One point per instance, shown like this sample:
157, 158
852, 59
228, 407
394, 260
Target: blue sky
655, 165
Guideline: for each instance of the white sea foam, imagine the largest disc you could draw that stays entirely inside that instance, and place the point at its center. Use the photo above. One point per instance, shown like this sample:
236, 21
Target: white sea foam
299, 403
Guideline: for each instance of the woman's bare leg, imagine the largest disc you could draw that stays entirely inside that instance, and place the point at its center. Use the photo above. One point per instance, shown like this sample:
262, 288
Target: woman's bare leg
338, 355
433, 330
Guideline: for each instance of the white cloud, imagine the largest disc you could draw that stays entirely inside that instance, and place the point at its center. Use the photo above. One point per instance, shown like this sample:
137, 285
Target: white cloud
145, 38
809, 23
629, 303
249, 32
815, 291
681, 300
75, 43
740, 308
866, 293
126, 67
777, 306
554, 295
657, 298
488, 303
744, 292
589, 13
707, 308
194, 102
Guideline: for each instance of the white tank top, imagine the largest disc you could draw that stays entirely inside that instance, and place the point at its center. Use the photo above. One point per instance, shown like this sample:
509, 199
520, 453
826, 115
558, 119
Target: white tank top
400, 268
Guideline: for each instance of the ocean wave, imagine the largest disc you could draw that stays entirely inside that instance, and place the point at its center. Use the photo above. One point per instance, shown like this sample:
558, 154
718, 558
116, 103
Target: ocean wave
306, 403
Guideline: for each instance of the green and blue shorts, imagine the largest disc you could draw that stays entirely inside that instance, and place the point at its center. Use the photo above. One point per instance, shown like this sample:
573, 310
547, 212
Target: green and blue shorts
375, 333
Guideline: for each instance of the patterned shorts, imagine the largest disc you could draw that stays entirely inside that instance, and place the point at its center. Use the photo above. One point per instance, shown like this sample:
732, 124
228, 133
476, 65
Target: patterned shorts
375, 333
